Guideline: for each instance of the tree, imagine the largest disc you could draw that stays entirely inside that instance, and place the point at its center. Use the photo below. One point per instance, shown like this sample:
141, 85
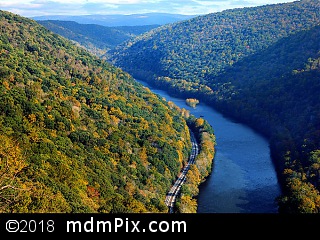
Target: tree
187, 205
192, 102
11, 165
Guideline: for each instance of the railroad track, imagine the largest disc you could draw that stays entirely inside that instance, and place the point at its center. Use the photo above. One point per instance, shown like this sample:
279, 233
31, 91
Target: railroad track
175, 189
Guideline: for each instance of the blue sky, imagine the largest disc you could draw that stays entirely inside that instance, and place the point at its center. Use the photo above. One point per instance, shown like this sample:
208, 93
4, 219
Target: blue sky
31, 8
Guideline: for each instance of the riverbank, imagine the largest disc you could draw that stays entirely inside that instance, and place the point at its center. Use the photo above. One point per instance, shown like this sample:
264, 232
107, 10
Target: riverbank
201, 168
243, 177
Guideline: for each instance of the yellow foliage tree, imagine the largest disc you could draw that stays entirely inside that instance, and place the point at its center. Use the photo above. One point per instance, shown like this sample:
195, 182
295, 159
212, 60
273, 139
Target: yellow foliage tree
199, 122
193, 175
187, 204
11, 165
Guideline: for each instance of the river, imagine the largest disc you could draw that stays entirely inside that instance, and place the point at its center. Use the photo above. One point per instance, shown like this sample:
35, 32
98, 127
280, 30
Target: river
243, 178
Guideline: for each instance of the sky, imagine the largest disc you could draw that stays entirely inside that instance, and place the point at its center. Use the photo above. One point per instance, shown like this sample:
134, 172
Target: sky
32, 8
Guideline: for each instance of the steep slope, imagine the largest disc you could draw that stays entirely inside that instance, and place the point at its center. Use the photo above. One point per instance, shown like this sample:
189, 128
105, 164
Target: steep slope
191, 49
96, 38
277, 92
77, 134
259, 65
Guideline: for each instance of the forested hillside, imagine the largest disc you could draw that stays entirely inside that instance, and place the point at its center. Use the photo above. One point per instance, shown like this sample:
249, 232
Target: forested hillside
95, 38
77, 134
207, 44
259, 65
277, 92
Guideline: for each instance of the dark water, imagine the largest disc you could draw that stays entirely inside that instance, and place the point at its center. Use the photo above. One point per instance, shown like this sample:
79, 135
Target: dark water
243, 178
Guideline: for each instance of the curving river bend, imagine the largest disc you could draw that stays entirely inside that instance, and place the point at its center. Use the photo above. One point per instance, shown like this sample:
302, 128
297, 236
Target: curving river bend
243, 178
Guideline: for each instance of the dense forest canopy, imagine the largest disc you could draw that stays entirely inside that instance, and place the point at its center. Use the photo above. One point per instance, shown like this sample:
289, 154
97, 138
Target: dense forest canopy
77, 134
192, 49
259, 65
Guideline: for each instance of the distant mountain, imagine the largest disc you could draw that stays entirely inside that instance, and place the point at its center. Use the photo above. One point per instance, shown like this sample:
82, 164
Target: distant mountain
260, 65
121, 20
97, 39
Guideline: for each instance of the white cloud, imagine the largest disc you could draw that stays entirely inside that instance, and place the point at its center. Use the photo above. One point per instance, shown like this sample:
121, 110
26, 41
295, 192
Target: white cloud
5, 3
81, 2
210, 3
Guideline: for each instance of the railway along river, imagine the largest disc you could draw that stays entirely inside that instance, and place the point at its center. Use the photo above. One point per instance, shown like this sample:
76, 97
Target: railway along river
243, 178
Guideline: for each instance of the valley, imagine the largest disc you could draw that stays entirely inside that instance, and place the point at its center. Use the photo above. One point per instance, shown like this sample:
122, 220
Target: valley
80, 134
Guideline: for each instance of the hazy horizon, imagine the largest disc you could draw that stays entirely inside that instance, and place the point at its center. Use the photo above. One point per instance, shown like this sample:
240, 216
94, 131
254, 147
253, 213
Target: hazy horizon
35, 8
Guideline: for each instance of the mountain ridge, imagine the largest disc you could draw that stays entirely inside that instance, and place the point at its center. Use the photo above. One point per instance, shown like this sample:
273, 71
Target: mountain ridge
95, 38
116, 20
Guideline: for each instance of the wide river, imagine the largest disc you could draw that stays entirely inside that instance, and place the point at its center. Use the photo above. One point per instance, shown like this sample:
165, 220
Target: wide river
243, 178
